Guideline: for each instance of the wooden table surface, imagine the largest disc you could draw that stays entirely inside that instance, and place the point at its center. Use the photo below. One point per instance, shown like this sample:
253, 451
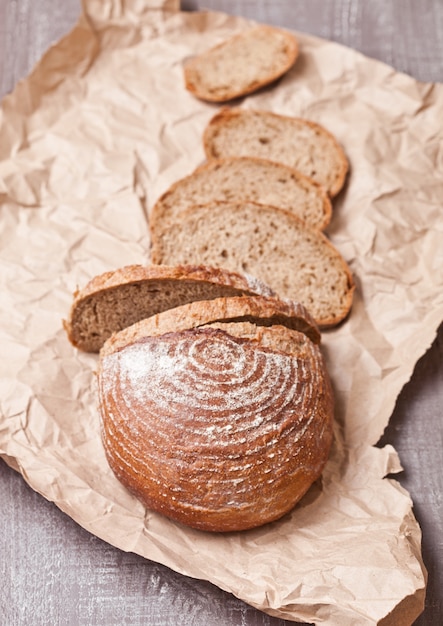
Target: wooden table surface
53, 571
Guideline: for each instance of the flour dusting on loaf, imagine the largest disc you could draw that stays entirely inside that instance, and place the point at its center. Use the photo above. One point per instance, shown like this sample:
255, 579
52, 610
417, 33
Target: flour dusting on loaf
214, 370
216, 431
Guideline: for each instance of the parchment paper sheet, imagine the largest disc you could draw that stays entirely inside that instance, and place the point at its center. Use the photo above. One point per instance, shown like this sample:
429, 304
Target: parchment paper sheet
88, 141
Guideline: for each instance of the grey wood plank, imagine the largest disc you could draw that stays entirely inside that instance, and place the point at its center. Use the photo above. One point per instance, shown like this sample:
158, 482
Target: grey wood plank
403, 33
27, 29
54, 572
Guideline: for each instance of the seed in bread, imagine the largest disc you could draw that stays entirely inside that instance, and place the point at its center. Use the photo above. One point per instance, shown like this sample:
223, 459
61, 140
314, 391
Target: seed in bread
222, 428
242, 64
119, 298
297, 262
245, 178
298, 143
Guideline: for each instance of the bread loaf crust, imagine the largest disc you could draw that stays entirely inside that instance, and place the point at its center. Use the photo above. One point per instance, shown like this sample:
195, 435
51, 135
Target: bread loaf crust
215, 430
214, 75
268, 135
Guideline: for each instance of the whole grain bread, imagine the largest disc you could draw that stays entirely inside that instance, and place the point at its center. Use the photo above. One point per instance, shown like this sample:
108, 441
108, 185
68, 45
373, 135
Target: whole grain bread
297, 262
242, 64
298, 143
119, 298
221, 427
259, 310
243, 179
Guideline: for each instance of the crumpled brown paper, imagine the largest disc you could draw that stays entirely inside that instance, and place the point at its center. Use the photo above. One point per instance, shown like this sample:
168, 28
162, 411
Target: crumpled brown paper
88, 141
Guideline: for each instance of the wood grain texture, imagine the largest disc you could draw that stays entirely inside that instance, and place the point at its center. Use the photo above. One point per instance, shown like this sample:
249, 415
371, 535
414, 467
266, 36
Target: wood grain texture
53, 571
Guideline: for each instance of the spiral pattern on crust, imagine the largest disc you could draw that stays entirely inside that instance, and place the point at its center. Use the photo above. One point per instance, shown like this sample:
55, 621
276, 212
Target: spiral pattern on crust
200, 422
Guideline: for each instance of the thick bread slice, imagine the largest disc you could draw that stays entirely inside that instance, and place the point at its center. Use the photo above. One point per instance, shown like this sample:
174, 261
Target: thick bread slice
298, 143
259, 310
245, 178
114, 300
241, 64
221, 429
299, 263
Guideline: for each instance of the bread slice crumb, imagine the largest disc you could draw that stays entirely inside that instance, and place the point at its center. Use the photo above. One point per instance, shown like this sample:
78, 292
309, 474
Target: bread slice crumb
242, 64
298, 143
244, 179
297, 262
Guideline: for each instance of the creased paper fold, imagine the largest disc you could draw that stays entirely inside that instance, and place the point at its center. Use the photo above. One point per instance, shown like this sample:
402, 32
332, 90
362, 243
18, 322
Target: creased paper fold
88, 142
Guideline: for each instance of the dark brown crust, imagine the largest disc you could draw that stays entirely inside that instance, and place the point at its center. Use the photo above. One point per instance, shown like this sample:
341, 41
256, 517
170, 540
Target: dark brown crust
185, 446
190, 68
158, 216
227, 113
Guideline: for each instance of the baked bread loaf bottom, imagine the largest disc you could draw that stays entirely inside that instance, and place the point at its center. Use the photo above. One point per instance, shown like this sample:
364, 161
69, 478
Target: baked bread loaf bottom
242, 64
298, 143
297, 262
220, 427
119, 298
245, 179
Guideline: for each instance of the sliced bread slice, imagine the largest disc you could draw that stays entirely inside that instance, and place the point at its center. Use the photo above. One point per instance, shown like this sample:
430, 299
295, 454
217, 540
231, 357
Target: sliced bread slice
116, 299
241, 64
298, 262
258, 310
299, 143
245, 178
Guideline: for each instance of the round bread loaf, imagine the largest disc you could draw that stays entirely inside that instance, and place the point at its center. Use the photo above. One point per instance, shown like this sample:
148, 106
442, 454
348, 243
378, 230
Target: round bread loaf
223, 427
